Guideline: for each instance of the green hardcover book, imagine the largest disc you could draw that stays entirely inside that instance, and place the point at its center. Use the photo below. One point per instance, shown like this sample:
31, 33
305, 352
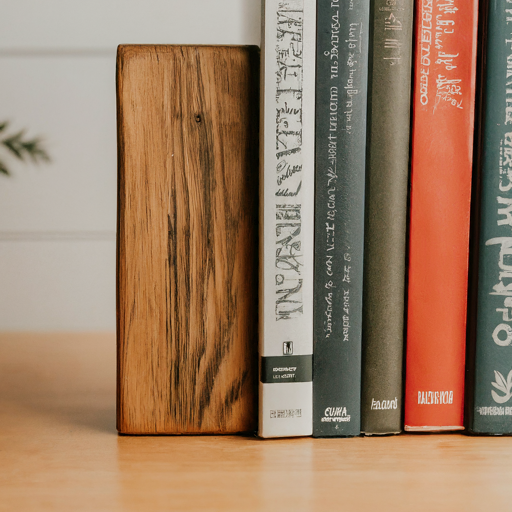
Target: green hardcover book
489, 409
389, 90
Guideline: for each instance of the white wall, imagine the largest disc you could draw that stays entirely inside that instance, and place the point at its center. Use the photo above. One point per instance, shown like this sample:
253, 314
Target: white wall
57, 69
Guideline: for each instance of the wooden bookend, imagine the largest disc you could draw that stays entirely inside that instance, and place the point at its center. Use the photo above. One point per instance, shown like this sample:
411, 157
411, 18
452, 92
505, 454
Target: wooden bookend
187, 239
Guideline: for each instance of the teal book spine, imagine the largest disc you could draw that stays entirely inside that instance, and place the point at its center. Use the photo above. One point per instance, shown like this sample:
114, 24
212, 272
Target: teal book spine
341, 100
490, 410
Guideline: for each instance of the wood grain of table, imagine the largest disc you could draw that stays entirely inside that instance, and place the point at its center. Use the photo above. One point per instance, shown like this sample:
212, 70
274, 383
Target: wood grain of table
59, 450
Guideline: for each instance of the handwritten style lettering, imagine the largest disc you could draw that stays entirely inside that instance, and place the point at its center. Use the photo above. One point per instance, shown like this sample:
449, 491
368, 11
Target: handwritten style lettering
289, 168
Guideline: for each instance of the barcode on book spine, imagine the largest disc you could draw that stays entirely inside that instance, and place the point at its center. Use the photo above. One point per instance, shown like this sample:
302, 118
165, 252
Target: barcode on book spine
286, 413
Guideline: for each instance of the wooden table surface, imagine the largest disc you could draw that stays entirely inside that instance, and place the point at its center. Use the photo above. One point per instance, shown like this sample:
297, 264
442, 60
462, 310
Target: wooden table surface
59, 450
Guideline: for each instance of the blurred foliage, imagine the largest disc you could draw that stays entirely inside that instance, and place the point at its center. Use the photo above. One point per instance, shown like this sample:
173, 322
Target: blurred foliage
20, 147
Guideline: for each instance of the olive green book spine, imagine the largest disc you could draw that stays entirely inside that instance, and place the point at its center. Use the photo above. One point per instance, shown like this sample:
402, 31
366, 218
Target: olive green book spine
387, 171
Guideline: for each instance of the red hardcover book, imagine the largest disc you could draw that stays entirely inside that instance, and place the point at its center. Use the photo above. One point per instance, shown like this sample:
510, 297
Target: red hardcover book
441, 168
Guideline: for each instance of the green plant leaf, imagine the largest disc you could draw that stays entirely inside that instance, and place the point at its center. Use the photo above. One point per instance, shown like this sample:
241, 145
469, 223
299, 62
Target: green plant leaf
3, 169
22, 148
12, 143
35, 151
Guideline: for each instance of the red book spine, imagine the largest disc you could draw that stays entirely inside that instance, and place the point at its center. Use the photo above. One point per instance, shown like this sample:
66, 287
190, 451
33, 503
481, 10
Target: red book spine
441, 168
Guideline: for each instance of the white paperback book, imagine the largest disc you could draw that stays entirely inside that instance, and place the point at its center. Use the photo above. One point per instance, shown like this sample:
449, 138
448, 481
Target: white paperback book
286, 210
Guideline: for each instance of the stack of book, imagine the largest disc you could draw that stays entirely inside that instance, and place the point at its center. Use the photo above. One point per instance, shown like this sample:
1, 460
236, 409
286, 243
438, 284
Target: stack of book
376, 180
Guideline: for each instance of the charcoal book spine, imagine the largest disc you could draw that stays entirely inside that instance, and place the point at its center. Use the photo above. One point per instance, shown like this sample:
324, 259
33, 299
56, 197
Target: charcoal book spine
490, 410
286, 218
341, 99
389, 91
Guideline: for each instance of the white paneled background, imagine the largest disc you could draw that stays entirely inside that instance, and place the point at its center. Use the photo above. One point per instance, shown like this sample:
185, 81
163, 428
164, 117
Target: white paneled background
57, 79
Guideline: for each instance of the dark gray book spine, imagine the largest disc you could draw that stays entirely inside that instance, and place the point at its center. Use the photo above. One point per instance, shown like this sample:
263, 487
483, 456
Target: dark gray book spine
491, 403
341, 99
389, 90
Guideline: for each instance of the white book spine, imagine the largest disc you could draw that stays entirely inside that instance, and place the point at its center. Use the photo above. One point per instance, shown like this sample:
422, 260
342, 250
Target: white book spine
287, 224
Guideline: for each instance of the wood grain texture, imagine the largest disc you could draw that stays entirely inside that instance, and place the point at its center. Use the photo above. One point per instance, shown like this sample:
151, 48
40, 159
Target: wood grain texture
187, 239
59, 452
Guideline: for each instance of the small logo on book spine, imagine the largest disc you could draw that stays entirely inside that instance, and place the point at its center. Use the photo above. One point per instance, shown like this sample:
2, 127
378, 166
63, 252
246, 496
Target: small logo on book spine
335, 414
286, 413
503, 385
